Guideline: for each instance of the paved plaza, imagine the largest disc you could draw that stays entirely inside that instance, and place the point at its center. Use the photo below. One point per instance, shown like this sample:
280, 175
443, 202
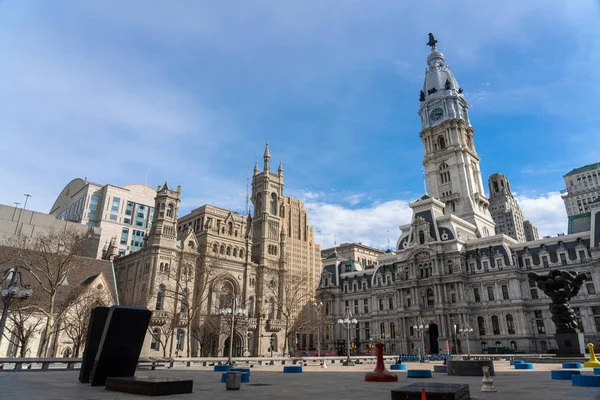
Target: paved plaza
268, 382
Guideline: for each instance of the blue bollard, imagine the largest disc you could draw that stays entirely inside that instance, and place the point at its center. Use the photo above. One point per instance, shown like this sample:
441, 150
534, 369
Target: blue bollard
523, 366
586, 380
398, 367
222, 368
564, 375
572, 365
419, 373
596, 371
513, 362
292, 369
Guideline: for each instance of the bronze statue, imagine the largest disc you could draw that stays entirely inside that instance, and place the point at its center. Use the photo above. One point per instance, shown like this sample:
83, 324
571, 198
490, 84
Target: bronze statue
560, 286
421, 96
432, 41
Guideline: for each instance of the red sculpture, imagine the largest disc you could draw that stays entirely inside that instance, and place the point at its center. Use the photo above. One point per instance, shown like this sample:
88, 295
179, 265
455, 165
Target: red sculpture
380, 374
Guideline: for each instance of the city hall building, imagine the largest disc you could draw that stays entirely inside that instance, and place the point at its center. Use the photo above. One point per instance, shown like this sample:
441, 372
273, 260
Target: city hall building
452, 269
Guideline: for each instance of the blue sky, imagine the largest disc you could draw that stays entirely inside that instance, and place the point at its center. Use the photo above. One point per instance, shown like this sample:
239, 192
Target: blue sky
190, 90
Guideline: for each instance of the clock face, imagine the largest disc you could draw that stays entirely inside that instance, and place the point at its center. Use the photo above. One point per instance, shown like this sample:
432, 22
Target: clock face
436, 114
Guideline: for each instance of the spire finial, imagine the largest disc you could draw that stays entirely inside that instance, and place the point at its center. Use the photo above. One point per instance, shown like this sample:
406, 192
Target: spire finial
267, 157
256, 168
280, 170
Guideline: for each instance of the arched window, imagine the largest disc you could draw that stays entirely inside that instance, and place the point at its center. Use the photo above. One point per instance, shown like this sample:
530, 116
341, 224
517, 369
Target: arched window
495, 325
282, 211
235, 252
382, 329
481, 326
222, 249
225, 295
241, 253
271, 308
170, 210
230, 225
274, 342
258, 208
421, 237
162, 267
444, 173
155, 342
392, 330
166, 268
251, 307
442, 142
510, 324
273, 204
430, 298
160, 298
513, 345
228, 250
215, 248
184, 300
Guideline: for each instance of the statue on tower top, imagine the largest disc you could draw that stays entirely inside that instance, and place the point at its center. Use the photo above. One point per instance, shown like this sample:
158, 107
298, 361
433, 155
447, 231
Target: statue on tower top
432, 41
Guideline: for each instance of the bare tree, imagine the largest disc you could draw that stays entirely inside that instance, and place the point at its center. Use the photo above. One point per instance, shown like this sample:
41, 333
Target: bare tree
296, 296
207, 334
49, 257
25, 322
75, 318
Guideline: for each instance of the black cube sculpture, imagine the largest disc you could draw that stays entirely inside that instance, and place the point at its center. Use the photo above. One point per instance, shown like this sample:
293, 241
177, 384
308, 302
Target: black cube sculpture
98, 318
121, 343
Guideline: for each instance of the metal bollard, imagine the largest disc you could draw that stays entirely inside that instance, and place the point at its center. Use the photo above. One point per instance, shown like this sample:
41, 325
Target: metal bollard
233, 380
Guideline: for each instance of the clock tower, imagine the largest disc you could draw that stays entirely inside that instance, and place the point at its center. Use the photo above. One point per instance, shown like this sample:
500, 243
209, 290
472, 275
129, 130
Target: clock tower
451, 162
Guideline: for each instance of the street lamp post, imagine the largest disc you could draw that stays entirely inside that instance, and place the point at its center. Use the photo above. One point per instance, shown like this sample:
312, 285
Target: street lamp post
465, 331
534, 341
232, 312
421, 326
317, 305
348, 320
15, 290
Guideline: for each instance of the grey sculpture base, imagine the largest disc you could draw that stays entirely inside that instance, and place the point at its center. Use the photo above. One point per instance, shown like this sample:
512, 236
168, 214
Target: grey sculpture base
469, 367
570, 344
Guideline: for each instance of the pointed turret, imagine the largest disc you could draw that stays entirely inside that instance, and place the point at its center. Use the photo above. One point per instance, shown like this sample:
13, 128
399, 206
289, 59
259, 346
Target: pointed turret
256, 168
267, 157
280, 170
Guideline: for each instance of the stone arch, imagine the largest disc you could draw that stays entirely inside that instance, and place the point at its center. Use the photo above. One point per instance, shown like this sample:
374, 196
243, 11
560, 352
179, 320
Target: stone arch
441, 142
274, 203
170, 210
215, 247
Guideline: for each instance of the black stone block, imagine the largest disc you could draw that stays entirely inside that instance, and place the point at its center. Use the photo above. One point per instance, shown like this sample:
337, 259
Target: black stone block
121, 343
150, 386
434, 391
98, 318
469, 367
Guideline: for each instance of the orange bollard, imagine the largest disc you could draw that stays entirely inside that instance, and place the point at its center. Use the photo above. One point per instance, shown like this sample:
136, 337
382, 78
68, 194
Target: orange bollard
423, 394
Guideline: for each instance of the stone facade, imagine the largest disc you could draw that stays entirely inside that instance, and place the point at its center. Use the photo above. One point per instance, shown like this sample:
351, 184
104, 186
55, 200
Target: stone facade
366, 256
448, 267
190, 268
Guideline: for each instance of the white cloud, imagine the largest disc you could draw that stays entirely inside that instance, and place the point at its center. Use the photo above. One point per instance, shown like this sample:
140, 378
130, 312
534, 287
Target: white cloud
374, 225
370, 225
547, 212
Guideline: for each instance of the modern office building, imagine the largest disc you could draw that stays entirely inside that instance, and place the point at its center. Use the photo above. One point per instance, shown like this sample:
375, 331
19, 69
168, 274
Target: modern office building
124, 214
505, 210
531, 232
582, 189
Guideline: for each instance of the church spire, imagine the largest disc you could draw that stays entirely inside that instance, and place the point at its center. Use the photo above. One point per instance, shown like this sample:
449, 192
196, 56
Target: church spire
267, 157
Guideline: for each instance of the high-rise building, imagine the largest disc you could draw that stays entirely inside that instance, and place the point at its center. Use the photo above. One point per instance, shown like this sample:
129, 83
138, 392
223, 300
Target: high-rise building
504, 208
449, 272
304, 255
582, 188
531, 232
124, 214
